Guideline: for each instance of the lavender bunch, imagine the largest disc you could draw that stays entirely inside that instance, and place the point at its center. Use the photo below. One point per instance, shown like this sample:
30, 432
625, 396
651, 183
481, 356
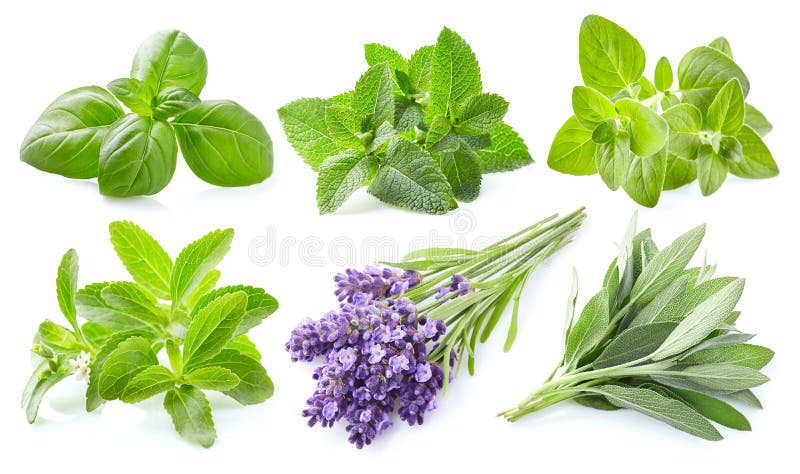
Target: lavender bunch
400, 330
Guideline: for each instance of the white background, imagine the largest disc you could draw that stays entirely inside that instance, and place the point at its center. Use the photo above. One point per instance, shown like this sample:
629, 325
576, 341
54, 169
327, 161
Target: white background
265, 55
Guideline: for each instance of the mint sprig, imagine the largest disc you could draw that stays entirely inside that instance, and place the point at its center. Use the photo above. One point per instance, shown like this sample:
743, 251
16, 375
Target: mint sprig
646, 137
418, 132
168, 307
658, 338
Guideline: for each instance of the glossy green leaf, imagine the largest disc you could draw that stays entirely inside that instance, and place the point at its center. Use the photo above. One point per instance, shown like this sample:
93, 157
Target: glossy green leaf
135, 301
645, 176
260, 305
610, 58
756, 120
172, 101
591, 107
170, 58
649, 132
212, 378
212, 327
664, 75
757, 161
135, 94
703, 71
712, 170
254, 386
572, 150
67, 286
685, 122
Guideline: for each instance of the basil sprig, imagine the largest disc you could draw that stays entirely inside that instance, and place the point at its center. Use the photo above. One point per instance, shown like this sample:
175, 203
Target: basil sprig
85, 133
648, 136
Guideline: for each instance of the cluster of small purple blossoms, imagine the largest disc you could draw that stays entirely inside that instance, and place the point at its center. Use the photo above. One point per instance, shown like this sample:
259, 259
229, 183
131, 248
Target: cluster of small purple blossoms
375, 350
458, 284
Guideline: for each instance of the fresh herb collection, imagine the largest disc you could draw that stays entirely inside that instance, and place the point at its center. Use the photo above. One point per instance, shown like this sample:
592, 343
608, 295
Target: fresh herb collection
658, 338
401, 331
169, 306
86, 134
418, 132
648, 136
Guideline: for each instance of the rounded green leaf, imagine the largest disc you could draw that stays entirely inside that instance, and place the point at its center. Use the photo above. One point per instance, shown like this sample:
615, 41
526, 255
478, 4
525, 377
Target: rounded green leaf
172, 101
730, 149
726, 112
572, 150
224, 144
644, 179
757, 161
712, 170
679, 172
648, 130
66, 138
591, 107
135, 94
170, 58
703, 71
611, 59
664, 76
685, 122
137, 158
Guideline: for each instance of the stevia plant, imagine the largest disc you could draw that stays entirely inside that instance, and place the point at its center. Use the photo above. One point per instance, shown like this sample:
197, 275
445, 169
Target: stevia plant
418, 132
658, 338
86, 134
648, 136
117, 331
401, 331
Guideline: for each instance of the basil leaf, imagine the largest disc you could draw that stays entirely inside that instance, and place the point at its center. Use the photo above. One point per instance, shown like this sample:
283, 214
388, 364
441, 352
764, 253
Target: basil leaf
66, 138
191, 415
212, 378
572, 150
455, 74
143, 257
726, 112
506, 152
170, 58
712, 170
224, 144
212, 328
703, 71
135, 94
137, 158
591, 107
610, 58
757, 161
664, 75
303, 122
195, 261
340, 175
172, 101
148, 383
128, 359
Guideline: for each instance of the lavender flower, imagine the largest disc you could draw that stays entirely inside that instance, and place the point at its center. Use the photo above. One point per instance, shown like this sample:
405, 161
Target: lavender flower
458, 284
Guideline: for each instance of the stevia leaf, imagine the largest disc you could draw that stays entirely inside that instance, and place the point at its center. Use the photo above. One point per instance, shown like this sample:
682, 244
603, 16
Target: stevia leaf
756, 120
419, 68
42, 380
757, 161
664, 75
212, 327
712, 170
93, 307
66, 137
410, 178
303, 122
481, 114
212, 378
724, 376
57, 337
206, 284
455, 74
645, 176
685, 122
591, 107
670, 411
67, 286
170, 58
572, 150
746, 355
260, 305
649, 132
722, 45
340, 176
373, 100
138, 157
462, 172
703, 71
589, 329
726, 112
243, 345
506, 152
195, 261
611, 59
702, 320
224, 144
135, 301
135, 94
148, 383
714, 409
93, 398
191, 415
254, 386
143, 257
172, 101
634, 343
95, 334
128, 359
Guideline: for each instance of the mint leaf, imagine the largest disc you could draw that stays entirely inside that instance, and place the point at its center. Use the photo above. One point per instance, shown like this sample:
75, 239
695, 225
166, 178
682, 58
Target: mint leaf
212, 327
481, 114
664, 75
304, 124
148, 383
373, 101
610, 58
376, 53
757, 161
343, 126
726, 112
143, 257
506, 152
340, 175
67, 286
195, 261
591, 107
128, 359
212, 378
572, 150
191, 415
455, 74
409, 178
712, 170
254, 385
419, 68
462, 172
440, 138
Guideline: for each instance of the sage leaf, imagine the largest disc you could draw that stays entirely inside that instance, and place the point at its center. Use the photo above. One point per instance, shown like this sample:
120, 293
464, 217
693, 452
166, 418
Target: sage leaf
714, 409
746, 355
724, 376
588, 329
634, 343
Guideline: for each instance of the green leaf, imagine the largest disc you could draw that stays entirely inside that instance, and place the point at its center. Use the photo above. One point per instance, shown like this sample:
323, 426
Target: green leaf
67, 285
254, 386
93, 307
212, 378
604, 132
463, 173
172, 101
419, 68
713, 409
213, 327
591, 107
206, 284
143, 257
303, 122
95, 334
196, 260
376, 53
645, 178
66, 138
673, 412
373, 101
224, 144
724, 376
191, 415
340, 175
757, 161
409, 178
745, 397
687, 301
685, 122
259, 305
649, 131
712, 170
135, 301
756, 120
148, 383
610, 58
722, 45
589, 329
572, 150
57, 337
633, 344
93, 398
701, 320
680, 172
726, 112
612, 160
481, 114
170, 58
407, 114
730, 150
666, 266
135, 94
507, 151
128, 359
664, 75
42, 380
243, 345
138, 157
703, 71
440, 138
668, 296
455, 74
746, 355
343, 126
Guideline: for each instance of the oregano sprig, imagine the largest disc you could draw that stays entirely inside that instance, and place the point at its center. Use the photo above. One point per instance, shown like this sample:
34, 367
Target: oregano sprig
659, 338
169, 306
647, 136
418, 132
